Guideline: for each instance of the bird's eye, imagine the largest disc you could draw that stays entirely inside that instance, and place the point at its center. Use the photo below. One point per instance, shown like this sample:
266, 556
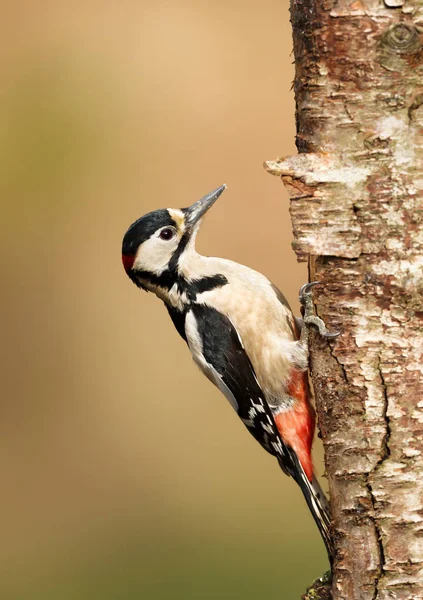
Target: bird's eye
167, 234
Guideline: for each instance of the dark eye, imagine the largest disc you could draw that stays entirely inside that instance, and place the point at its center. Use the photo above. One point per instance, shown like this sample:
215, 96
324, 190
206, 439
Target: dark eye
167, 234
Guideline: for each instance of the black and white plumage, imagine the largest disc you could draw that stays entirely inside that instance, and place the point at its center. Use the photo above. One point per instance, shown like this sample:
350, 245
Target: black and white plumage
241, 333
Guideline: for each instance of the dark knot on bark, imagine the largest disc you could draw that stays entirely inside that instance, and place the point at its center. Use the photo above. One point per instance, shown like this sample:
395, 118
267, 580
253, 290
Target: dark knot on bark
402, 38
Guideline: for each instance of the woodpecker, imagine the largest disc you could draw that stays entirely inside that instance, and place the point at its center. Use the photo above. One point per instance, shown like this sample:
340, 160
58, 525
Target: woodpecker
242, 334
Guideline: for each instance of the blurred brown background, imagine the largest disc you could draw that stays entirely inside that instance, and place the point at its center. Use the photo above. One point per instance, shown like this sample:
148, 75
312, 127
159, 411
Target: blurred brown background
125, 474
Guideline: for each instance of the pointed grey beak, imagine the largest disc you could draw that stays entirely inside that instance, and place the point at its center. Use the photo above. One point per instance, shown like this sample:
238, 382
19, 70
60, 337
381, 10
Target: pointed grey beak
194, 212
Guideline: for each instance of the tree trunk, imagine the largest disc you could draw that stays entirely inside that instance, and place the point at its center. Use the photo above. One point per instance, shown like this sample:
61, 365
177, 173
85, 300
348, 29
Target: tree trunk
356, 192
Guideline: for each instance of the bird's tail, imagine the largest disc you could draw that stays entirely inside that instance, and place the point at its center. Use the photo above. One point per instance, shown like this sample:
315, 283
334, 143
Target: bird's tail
317, 503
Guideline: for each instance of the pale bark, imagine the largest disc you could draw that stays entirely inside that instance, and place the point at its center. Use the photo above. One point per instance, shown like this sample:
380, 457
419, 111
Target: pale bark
356, 193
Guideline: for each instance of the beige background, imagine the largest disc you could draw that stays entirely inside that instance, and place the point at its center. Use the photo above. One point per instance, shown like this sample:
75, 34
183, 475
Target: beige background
124, 473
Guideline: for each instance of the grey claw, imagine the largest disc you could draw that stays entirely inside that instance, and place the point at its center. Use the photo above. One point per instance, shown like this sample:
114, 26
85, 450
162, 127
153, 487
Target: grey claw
332, 335
320, 324
309, 316
306, 288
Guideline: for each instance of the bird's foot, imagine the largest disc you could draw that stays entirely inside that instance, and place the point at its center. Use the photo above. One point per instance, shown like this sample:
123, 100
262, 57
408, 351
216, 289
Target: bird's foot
309, 317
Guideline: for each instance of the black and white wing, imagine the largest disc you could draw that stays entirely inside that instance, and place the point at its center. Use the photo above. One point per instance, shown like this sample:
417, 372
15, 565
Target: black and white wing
217, 349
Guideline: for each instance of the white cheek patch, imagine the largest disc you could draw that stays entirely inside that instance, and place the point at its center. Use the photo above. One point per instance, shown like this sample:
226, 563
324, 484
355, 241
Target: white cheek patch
154, 254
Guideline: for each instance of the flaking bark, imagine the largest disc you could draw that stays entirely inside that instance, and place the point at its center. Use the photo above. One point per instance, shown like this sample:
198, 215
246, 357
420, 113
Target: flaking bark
356, 191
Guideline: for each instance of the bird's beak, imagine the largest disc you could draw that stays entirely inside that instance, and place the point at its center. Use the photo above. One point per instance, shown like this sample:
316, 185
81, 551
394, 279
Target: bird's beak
194, 212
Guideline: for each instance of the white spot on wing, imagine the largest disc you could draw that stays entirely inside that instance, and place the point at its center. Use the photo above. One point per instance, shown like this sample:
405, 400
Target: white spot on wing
258, 407
268, 428
278, 447
252, 412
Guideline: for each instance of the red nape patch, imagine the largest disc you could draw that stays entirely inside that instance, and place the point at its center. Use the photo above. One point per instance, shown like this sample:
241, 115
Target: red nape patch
128, 261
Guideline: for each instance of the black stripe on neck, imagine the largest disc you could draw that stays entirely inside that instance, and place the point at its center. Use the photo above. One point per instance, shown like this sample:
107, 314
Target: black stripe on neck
168, 279
183, 242
206, 284
165, 280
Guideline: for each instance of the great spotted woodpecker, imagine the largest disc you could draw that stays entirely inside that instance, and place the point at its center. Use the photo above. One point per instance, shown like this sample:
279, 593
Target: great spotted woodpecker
241, 333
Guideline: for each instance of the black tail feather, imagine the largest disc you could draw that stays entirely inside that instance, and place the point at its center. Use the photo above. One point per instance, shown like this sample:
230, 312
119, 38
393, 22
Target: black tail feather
316, 501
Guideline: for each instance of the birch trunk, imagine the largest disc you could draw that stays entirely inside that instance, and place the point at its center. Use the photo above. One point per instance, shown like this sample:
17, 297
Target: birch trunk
356, 194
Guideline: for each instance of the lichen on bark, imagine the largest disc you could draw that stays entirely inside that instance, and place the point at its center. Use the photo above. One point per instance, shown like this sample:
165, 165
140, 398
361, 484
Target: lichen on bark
356, 201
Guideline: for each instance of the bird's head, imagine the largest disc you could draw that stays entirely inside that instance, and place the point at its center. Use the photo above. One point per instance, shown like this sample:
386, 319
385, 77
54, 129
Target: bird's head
153, 245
